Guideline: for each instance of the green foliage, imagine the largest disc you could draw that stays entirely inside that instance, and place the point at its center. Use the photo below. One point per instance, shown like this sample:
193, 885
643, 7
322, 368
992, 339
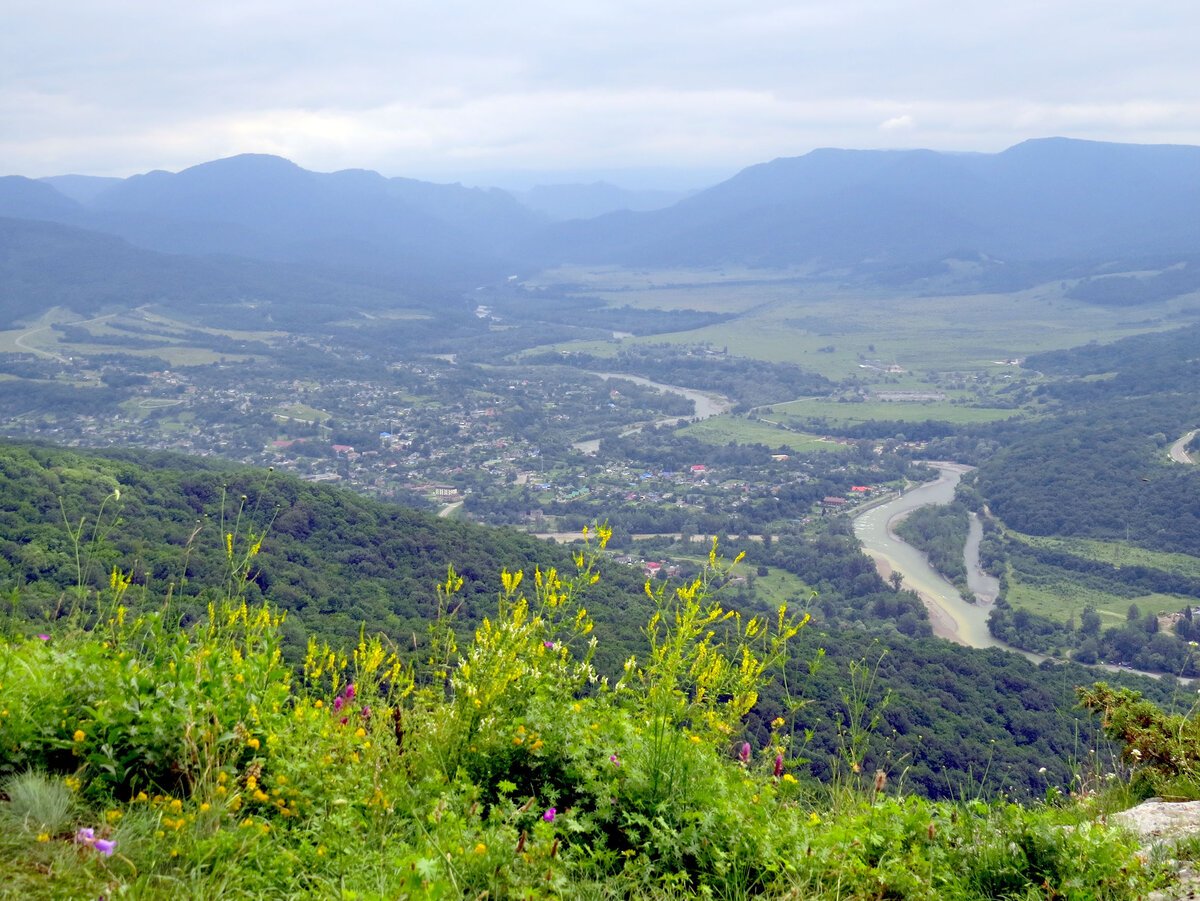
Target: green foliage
1163, 748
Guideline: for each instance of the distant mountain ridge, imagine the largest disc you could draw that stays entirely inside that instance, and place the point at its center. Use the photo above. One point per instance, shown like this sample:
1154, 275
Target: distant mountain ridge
1041, 209
1048, 199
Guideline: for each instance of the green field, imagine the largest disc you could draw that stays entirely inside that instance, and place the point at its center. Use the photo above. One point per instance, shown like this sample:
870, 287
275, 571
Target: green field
833, 329
868, 411
1116, 553
781, 587
303, 413
726, 429
1063, 598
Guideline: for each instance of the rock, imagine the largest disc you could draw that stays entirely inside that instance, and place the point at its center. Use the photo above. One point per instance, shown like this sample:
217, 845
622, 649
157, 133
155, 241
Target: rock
1160, 825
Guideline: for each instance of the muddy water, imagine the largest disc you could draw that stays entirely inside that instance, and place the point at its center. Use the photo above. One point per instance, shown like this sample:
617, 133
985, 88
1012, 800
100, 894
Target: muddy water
951, 616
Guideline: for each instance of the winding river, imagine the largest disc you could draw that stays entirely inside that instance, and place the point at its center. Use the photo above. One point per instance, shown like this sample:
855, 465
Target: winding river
705, 404
951, 617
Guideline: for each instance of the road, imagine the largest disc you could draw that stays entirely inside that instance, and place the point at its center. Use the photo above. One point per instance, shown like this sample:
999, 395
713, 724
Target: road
20, 340
1178, 451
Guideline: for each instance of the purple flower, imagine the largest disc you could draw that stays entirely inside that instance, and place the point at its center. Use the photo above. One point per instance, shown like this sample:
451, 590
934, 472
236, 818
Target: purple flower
778, 765
337, 703
614, 759
87, 836
548, 816
549, 645
744, 753
43, 636
366, 712
349, 692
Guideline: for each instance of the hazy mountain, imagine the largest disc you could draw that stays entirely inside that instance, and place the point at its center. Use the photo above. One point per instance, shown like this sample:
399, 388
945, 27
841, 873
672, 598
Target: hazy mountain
25, 198
1042, 209
586, 201
1052, 199
268, 208
47, 264
80, 188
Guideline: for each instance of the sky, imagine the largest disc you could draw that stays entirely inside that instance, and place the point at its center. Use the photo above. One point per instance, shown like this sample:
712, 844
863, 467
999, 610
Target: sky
657, 90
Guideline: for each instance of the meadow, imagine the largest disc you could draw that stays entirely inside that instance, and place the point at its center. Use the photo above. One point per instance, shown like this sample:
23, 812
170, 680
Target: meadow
832, 329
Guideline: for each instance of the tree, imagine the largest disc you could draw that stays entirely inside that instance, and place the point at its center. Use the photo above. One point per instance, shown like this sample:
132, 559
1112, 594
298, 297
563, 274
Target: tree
1089, 621
896, 579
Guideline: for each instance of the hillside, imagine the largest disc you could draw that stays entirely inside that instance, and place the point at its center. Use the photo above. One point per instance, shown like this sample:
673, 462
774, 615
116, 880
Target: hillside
337, 562
1055, 200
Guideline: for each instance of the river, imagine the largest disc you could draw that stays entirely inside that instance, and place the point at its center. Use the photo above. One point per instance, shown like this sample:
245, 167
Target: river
951, 617
704, 404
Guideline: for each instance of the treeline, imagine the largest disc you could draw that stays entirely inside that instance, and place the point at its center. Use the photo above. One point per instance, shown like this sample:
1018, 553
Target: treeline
1097, 466
748, 382
335, 561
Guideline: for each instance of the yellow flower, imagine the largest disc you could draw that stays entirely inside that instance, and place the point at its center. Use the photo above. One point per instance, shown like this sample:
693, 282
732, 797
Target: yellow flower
205, 807
777, 723
319, 704
79, 735
813, 818
788, 777
360, 732
481, 848
43, 836
252, 744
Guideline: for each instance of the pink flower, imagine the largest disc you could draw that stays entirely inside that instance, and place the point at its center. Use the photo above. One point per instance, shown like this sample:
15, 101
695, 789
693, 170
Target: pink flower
349, 692
614, 759
337, 703
744, 753
778, 765
43, 636
549, 645
549, 815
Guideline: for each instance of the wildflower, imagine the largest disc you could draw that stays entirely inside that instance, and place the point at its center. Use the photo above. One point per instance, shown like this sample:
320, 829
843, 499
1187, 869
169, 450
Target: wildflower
337, 703
319, 704
549, 815
79, 735
1041, 770
614, 759
365, 713
814, 818
549, 645
777, 723
1135, 754
349, 692
360, 732
788, 777
744, 753
778, 765
252, 744
43, 636
880, 781
481, 848
87, 836
43, 836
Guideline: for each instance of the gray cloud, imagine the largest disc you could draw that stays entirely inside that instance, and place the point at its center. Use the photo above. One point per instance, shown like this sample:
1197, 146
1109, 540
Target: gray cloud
423, 88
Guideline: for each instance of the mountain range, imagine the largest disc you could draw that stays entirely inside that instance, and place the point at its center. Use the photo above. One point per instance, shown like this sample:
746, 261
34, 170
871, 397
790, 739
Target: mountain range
1056, 205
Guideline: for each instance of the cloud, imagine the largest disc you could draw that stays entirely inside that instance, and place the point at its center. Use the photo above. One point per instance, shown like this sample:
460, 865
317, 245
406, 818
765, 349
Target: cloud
413, 87
898, 123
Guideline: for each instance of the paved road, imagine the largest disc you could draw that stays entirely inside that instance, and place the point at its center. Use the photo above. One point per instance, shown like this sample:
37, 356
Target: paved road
1178, 452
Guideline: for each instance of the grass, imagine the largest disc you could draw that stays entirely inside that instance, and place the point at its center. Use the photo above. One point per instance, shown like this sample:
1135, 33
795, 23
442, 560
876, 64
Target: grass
303, 413
868, 411
779, 586
780, 319
1116, 553
725, 429
1063, 598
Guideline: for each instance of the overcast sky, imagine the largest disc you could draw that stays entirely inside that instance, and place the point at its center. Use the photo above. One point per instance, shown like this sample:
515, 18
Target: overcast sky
449, 89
